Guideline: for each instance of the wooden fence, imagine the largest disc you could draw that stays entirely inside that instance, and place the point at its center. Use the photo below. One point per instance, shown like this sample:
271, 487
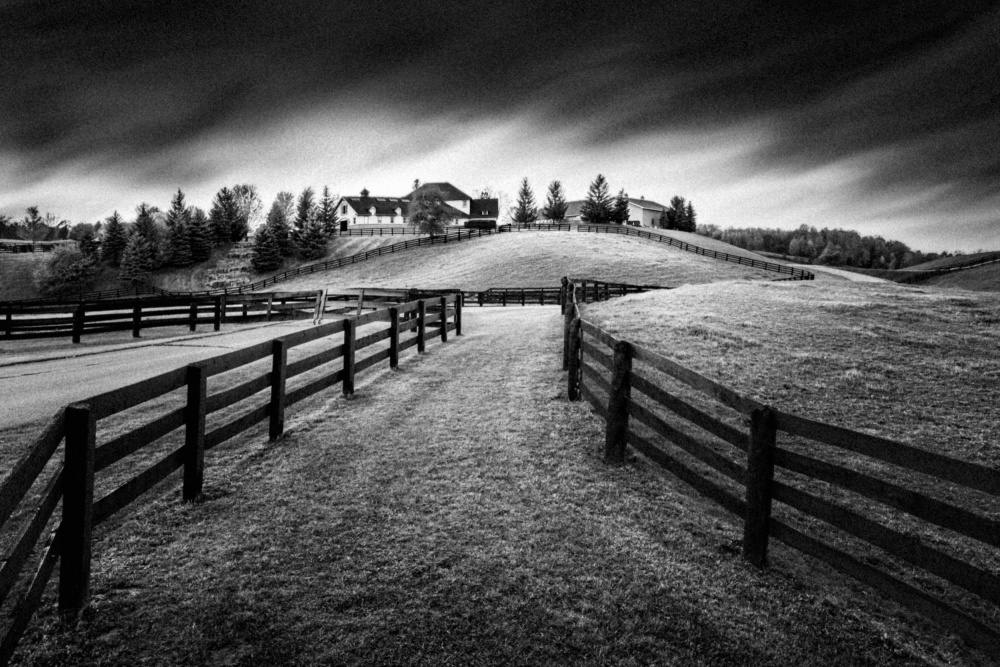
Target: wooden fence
591, 290
671, 415
32, 491
42, 320
8, 245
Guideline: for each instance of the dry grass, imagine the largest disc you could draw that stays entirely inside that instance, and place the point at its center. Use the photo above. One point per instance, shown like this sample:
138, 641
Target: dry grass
456, 512
912, 364
980, 279
532, 259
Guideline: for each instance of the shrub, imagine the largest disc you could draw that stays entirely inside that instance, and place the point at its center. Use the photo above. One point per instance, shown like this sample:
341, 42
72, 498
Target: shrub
67, 271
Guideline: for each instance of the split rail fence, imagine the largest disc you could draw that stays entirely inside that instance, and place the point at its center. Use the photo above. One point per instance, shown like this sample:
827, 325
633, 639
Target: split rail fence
591, 290
843, 486
38, 535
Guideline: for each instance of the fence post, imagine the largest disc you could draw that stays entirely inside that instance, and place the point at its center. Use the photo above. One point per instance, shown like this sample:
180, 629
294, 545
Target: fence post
567, 323
444, 319
349, 337
393, 337
616, 432
270, 302
421, 312
522, 296
480, 297
279, 377
8, 331
136, 319
77, 508
563, 293
78, 316
573, 381
194, 431
459, 302
194, 316
760, 473
217, 315
505, 298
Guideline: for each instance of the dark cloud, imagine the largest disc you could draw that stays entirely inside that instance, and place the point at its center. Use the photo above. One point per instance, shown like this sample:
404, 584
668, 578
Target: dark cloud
913, 81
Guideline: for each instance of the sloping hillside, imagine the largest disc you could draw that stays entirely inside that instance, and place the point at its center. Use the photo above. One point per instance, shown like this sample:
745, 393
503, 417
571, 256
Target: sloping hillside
531, 259
957, 260
980, 279
16, 274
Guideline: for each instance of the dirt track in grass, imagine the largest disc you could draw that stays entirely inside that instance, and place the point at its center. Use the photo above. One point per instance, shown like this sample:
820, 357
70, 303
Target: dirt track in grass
457, 512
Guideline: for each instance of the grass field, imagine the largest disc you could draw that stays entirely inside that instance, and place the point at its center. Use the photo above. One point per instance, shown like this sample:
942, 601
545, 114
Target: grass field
531, 259
980, 279
913, 364
475, 526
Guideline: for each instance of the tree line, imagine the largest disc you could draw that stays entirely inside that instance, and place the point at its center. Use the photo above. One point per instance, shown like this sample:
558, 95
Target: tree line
178, 237
834, 247
598, 208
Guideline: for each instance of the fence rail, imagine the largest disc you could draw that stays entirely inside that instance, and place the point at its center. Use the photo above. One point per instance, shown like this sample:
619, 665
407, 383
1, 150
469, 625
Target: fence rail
70, 484
628, 386
592, 290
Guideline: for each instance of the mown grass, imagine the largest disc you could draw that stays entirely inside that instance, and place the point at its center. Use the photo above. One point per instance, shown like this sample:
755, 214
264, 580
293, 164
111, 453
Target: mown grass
474, 526
531, 259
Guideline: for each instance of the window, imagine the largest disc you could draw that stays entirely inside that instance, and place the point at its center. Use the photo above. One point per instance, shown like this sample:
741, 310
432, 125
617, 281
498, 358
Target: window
343, 209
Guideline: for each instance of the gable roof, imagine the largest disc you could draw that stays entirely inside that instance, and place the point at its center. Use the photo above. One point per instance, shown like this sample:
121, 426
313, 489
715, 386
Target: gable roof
648, 203
450, 192
573, 208
490, 206
383, 205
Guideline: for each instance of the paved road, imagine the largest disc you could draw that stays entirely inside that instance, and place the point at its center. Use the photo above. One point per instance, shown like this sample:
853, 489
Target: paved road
35, 390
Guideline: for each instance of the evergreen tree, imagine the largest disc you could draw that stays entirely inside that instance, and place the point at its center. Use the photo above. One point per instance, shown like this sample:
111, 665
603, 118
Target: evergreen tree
278, 221
304, 212
676, 214
690, 221
224, 216
145, 226
555, 203
199, 235
178, 238
137, 261
525, 210
663, 222
596, 208
66, 271
326, 213
86, 239
312, 240
114, 241
619, 211
266, 250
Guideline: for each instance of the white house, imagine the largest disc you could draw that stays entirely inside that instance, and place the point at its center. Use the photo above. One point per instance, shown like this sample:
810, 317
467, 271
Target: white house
642, 212
375, 210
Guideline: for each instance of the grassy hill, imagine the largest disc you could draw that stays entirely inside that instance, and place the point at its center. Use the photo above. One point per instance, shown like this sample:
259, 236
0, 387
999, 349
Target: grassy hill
529, 260
978, 279
957, 260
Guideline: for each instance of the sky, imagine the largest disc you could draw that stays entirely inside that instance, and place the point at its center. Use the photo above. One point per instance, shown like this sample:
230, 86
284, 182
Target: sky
883, 117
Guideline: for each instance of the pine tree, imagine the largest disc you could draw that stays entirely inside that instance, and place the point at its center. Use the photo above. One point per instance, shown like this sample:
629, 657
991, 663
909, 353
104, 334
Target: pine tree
304, 212
277, 220
137, 261
224, 216
178, 238
199, 235
312, 240
525, 211
266, 251
689, 218
619, 211
145, 226
596, 208
555, 203
326, 213
115, 240
663, 222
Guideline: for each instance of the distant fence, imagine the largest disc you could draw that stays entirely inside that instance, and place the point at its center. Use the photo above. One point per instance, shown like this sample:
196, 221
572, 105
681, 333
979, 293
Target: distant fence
11, 246
591, 290
670, 414
67, 539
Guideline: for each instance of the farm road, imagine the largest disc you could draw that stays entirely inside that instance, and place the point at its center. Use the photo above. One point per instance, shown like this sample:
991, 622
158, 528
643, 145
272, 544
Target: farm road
30, 391
455, 511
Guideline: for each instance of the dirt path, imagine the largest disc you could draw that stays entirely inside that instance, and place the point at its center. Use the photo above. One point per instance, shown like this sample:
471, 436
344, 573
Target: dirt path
455, 512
